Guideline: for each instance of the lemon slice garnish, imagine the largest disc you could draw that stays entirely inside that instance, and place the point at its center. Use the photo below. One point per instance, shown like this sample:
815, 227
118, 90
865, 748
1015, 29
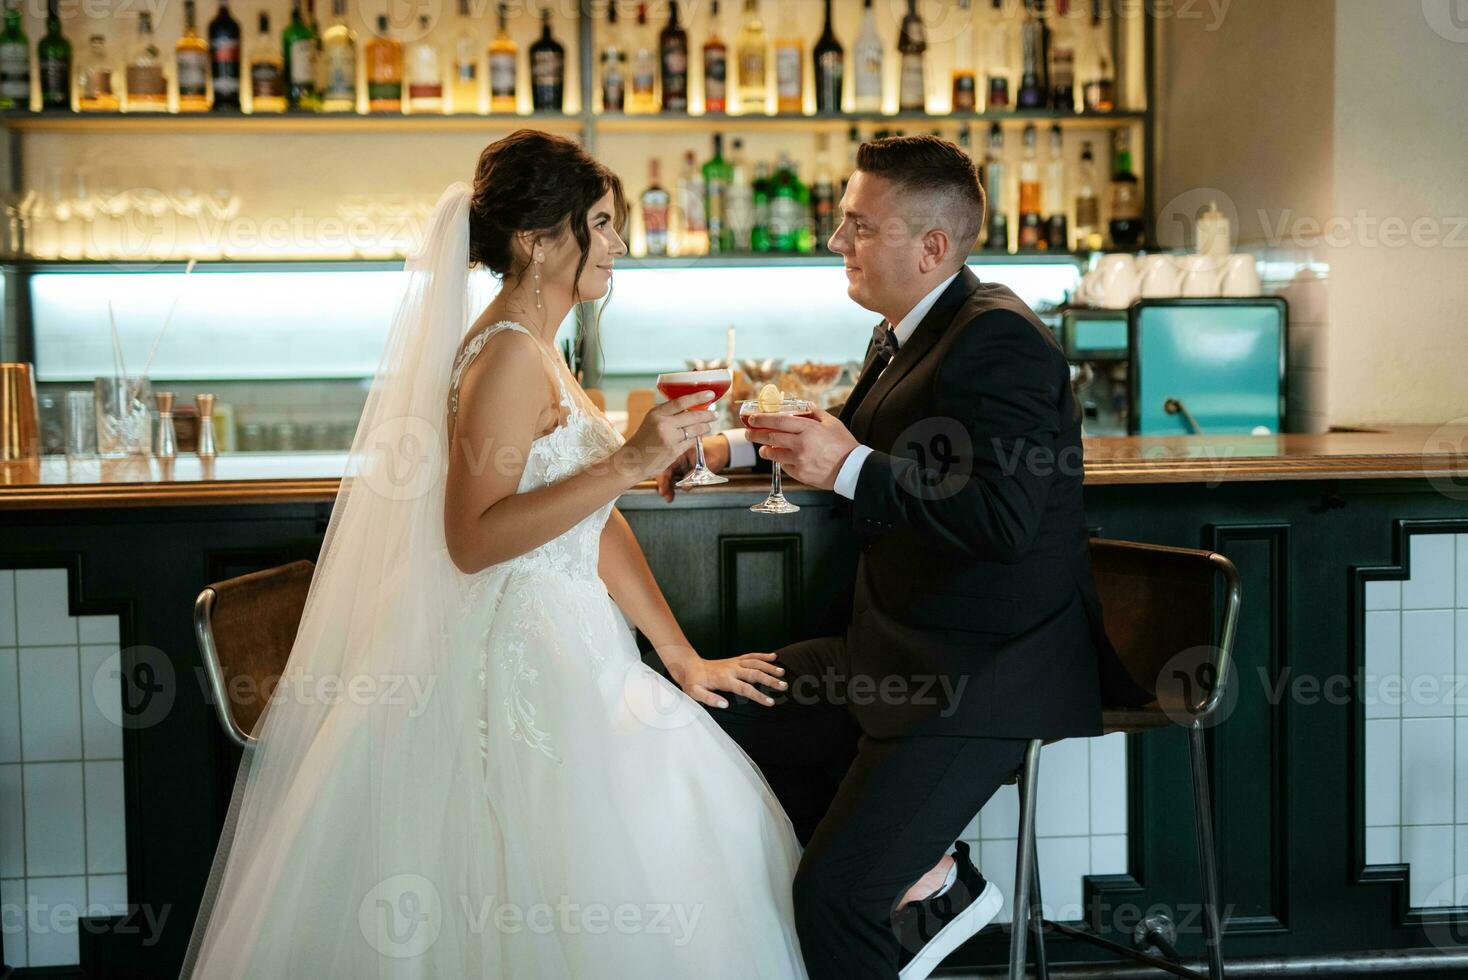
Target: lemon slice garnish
770, 398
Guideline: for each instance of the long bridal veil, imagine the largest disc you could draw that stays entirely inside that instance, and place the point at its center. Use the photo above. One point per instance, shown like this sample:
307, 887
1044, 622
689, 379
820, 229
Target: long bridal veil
359, 841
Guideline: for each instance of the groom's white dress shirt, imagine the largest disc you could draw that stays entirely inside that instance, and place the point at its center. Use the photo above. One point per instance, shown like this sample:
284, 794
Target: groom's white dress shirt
742, 452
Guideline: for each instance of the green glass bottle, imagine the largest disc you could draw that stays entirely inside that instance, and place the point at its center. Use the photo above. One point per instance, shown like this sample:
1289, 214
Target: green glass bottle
15, 61
299, 47
759, 232
54, 55
717, 174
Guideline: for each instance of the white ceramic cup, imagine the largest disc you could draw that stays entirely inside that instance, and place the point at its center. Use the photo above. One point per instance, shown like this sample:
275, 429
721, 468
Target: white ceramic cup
1118, 283
1241, 276
1161, 277
1202, 276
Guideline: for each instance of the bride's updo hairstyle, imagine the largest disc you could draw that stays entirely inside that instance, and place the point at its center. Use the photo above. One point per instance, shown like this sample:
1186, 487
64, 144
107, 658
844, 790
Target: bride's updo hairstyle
534, 181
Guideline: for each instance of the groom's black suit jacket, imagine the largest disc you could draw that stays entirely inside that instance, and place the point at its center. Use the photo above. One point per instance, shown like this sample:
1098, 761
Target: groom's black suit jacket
973, 563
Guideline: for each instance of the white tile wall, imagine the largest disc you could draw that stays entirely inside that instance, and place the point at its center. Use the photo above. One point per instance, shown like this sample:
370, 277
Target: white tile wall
62, 828
1416, 658
1080, 828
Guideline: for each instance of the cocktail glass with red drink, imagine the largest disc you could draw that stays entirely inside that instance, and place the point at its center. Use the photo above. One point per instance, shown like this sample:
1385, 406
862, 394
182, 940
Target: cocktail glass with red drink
775, 503
674, 386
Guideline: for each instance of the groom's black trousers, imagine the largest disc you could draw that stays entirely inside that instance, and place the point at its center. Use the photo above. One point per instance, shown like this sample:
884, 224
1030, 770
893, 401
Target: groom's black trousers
874, 814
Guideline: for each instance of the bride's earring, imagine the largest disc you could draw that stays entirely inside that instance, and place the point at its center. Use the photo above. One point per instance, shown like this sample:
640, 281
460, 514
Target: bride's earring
539, 258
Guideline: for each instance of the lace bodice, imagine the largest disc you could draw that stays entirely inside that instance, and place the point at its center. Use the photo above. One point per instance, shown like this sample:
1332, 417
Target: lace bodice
584, 438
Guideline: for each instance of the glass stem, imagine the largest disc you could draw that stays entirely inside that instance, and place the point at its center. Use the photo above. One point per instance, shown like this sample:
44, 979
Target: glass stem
775, 481
698, 448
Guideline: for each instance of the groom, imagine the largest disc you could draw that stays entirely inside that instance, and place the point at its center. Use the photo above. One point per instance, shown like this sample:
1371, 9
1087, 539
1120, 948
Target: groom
975, 624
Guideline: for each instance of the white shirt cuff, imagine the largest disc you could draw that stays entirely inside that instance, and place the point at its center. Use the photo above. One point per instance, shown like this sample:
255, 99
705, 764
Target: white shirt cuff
850, 471
742, 452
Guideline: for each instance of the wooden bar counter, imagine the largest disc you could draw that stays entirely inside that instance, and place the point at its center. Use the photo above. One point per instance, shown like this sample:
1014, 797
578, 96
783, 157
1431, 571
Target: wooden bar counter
1308, 519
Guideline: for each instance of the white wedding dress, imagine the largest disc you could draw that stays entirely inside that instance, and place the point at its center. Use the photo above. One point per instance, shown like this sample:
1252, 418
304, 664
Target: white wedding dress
624, 800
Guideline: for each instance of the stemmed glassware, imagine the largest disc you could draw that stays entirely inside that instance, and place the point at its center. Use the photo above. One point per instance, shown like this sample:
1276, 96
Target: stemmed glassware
775, 503
674, 386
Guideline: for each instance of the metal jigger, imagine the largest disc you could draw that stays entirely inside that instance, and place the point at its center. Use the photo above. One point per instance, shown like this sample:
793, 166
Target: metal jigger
205, 405
167, 445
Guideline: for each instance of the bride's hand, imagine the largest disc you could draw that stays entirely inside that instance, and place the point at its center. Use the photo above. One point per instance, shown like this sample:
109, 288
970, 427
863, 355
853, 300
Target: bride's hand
666, 433
700, 678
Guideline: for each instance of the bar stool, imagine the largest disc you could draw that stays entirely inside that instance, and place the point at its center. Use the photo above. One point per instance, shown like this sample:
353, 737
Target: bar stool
640, 401
246, 627
1157, 602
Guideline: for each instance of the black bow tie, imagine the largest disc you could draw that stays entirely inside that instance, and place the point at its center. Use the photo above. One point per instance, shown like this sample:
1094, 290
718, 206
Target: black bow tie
884, 340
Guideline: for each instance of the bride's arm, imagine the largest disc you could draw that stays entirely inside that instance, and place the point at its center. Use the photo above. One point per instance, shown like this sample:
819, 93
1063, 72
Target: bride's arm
629, 580
501, 398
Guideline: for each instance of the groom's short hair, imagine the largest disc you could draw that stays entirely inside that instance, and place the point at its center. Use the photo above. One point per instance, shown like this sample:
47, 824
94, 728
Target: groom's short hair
940, 179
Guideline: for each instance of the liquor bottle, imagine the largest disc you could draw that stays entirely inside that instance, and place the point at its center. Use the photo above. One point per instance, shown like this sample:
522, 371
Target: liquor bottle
384, 66
547, 69
912, 93
655, 203
613, 66
786, 214
739, 200
1031, 221
1088, 205
994, 185
715, 66
298, 45
464, 92
15, 61
1099, 91
147, 89
690, 220
1057, 227
424, 70
1062, 58
823, 194
224, 58
853, 143
965, 83
717, 176
750, 52
1032, 88
95, 91
339, 62
191, 61
789, 64
805, 238
867, 56
759, 232
503, 68
644, 67
1126, 197
999, 57
53, 55
673, 59
830, 60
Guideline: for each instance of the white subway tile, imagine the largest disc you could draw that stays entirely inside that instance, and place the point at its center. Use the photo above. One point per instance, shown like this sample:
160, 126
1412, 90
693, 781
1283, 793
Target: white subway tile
50, 712
1431, 583
1428, 663
1109, 784
106, 819
997, 864
1384, 594
12, 826
1109, 854
1460, 645
41, 607
101, 735
1000, 816
1460, 771
9, 706
1459, 894
106, 895
1383, 772
1381, 689
52, 932
12, 924
1383, 845
1063, 804
1064, 862
54, 838
1427, 770
97, 629
971, 832
1429, 850
7, 608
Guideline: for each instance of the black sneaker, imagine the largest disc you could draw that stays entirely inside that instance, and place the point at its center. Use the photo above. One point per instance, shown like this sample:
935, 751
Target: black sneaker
929, 929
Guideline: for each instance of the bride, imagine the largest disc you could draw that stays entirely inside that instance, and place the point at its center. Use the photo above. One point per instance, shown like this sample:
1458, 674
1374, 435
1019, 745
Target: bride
466, 770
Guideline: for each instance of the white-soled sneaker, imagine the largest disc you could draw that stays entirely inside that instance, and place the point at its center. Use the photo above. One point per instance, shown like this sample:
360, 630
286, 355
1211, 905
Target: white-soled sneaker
931, 928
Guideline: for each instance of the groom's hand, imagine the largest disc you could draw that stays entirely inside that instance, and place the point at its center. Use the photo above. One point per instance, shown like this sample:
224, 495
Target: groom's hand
810, 450
715, 455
